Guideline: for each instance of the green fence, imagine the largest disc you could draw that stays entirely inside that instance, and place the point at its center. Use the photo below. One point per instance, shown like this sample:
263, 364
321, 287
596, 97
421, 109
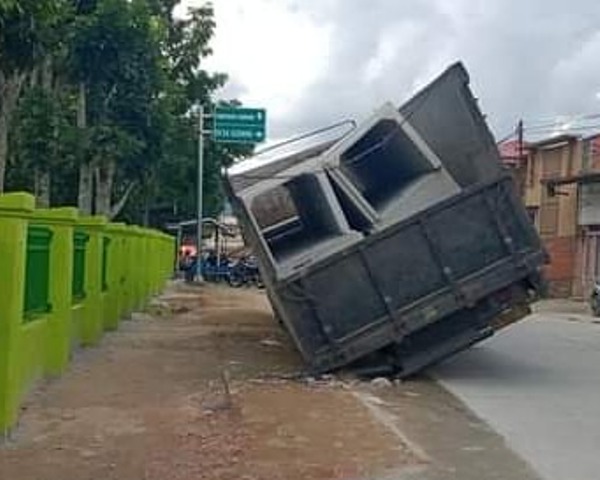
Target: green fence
80, 240
37, 272
105, 263
64, 280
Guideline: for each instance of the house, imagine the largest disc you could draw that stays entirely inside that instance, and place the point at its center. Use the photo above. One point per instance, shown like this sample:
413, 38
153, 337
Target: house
513, 154
560, 185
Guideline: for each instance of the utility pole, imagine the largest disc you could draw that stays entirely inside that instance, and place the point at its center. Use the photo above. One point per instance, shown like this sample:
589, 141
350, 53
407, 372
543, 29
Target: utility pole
200, 187
520, 141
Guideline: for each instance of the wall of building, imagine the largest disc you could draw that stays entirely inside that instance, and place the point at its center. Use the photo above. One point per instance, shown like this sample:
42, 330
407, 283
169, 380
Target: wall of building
559, 272
582, 275
556, 215
571, 239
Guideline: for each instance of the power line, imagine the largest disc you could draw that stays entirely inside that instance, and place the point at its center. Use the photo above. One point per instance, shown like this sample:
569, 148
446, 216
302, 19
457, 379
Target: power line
507, 137
558, 129
312, 133
560, 119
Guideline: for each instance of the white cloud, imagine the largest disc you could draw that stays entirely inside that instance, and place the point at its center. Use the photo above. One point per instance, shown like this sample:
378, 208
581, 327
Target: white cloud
271, 54
311, 62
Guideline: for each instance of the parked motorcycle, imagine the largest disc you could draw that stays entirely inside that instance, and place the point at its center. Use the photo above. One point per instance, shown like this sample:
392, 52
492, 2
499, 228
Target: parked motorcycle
214, 268
595, 299
245, 272
189, 266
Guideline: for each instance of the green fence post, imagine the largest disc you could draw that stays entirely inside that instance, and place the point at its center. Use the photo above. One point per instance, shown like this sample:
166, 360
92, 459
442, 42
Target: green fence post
137, 268
113, 275
152, 254
58, 339
147, 252
108, 268
122, 272
79, 303
158, 264
14, 211
143, 268
167, 259
158, 246
160, 255
125, 288
172, 255
128, 264
92, 324
143, 271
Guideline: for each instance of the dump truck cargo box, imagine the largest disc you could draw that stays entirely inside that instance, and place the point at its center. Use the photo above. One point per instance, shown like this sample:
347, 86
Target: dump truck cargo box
398, 244
423, 288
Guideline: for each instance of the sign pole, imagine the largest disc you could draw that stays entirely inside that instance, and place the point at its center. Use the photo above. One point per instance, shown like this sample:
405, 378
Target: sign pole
244, 125
200, 186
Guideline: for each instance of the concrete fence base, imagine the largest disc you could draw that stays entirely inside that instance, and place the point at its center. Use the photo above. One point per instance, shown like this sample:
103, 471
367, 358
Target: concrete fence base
64, 280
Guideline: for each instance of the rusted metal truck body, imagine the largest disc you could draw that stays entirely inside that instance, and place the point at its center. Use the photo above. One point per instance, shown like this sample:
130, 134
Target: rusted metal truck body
398, 244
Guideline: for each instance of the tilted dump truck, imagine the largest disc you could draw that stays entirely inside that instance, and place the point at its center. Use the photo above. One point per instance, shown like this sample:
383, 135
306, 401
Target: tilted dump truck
397, 244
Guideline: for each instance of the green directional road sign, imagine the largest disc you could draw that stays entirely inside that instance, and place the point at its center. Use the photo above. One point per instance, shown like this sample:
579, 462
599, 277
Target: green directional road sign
246, 125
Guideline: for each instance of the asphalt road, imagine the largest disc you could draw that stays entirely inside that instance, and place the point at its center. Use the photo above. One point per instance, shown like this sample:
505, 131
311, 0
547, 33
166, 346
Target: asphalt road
538, 385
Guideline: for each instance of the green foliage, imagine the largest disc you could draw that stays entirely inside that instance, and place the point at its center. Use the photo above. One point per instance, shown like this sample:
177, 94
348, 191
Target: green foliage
142, 69
38, 124
26, 27
116, 53
44, 136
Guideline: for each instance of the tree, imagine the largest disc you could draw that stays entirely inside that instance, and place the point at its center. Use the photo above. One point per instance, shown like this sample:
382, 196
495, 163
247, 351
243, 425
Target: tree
25, 24
115, 58
6, 5
37, 141
109, 109
168, 192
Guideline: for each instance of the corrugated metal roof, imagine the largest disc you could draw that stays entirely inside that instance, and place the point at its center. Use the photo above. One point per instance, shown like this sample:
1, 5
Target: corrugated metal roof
510, 150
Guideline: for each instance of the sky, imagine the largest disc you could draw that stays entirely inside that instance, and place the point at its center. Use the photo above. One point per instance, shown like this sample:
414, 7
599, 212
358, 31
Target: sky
314, 62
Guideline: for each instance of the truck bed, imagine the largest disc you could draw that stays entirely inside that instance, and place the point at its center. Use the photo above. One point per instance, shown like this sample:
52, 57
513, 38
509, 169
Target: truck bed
398, 244
449, 272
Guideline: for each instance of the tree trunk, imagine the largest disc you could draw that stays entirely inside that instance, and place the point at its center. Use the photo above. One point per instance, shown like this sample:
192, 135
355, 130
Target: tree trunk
117, 207
42, 188
105, 175
84, 197
10, 89
43, 177
47, 75
146, 220
33, 76
3, 145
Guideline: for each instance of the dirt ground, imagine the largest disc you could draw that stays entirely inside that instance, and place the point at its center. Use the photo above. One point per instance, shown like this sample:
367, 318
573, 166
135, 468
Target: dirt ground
196, 389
